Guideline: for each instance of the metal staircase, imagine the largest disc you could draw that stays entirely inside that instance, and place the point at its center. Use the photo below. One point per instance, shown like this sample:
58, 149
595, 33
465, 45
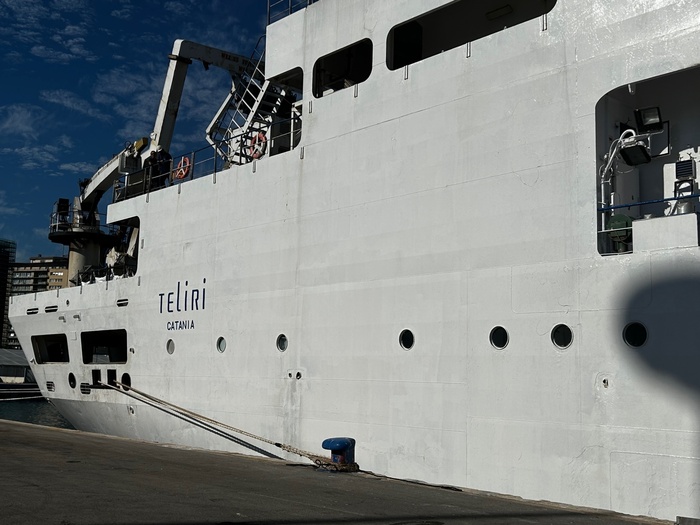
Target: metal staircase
246, 116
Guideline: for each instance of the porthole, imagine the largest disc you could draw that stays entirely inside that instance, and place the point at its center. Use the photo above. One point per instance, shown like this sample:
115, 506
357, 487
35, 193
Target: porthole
635, 334
282, 342
499, 338
406, 339
221, 344
170, 346
126, 380
562, 336
71, 380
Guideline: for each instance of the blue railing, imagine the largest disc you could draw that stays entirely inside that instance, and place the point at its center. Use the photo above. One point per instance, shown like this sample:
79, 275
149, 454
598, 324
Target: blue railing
642, 203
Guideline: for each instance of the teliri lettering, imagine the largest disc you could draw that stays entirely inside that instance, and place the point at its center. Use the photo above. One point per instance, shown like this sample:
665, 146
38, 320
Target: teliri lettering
183, 298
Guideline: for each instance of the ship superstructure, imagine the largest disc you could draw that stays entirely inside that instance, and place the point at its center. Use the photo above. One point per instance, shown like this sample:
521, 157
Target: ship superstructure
463, 233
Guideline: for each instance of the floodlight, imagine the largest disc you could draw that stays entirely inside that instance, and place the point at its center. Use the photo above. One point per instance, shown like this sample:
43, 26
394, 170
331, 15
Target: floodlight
634, 152
648, 120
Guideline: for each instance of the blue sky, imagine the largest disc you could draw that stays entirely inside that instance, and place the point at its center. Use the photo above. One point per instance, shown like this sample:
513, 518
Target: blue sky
79, 78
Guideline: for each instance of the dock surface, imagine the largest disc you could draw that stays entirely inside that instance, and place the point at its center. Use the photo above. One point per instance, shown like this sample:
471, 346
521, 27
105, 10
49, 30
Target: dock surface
66, 477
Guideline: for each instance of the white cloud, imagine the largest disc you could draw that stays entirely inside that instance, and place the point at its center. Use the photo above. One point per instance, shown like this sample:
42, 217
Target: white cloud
24, 35
177, 8
19, 120
125, 12
132, 96
27, 12
32, 23
51, 55
64, 141
5, 208
14, 57
75, 47
46, 158
73, 102
79, 167
31, 158
78, 6
73, 30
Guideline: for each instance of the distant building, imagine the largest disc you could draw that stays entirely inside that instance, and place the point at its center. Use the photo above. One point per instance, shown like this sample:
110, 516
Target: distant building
37, 275
8, 249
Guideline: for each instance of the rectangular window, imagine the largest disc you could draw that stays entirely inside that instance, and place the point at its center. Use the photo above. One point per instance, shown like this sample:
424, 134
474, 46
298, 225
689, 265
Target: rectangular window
104, 346
343, 68
50, 348
455, 24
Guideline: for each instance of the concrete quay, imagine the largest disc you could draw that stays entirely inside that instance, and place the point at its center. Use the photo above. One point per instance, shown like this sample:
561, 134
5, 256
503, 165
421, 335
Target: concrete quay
66, 477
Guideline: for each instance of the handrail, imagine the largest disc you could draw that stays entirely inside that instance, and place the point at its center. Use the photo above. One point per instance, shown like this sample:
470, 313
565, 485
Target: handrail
140, 183
279, 9
642, 203
76, 220
252, 75
629, 229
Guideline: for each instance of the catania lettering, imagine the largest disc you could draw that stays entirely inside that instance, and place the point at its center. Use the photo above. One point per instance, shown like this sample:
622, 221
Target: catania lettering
183, 299
180, 325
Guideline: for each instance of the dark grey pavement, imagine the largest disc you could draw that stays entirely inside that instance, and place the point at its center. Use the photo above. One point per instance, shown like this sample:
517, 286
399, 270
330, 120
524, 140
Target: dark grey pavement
65, 477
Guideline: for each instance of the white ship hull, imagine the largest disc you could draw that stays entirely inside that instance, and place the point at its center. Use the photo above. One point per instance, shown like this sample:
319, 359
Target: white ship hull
450, 197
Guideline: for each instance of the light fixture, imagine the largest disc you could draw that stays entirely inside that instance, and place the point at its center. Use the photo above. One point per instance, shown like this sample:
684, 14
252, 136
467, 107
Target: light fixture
634, 152
648, 120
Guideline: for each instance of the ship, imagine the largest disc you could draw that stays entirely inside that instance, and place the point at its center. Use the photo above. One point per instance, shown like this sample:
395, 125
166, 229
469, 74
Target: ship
463, 235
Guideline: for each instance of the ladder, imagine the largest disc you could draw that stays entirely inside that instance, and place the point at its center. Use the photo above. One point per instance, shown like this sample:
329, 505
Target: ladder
246, 113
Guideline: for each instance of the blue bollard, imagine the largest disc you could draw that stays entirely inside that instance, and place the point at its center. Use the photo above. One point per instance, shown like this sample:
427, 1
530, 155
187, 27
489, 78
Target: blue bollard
342, 450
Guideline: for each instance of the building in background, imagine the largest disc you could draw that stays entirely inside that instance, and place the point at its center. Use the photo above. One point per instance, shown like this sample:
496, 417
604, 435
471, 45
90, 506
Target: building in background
37, 275
8, 249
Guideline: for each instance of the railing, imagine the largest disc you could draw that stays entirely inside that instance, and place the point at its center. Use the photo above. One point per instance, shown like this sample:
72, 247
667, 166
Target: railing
624, 246
654, 201
75, 221
246, 104
279, 9
205, 161
182, 168
122, 269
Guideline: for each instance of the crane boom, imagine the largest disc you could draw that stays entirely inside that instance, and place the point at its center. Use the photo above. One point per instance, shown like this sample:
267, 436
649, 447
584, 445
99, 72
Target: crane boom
183, 53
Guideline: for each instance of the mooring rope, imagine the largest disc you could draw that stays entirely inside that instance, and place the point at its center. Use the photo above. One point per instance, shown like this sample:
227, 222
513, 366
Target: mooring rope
189, 419
22, 398
128, 390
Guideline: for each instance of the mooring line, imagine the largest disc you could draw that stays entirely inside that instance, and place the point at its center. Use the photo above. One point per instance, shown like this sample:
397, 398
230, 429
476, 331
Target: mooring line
192, 420
207, 423
22, 398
